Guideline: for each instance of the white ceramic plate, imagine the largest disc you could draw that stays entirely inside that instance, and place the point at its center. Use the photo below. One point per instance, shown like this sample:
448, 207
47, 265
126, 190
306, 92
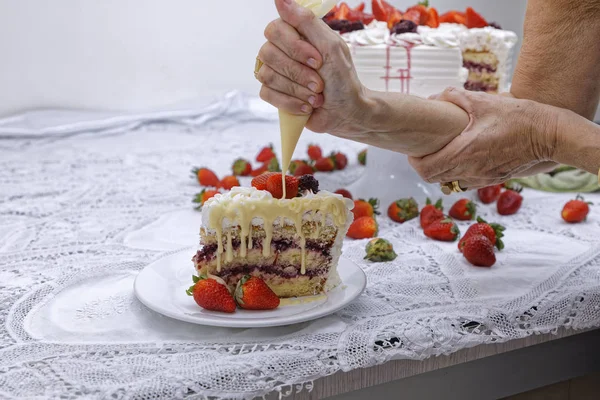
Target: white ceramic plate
161, 287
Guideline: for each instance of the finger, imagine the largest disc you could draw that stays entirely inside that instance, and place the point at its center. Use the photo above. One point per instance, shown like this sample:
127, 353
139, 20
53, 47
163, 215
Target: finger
272, 56
459, 97
269, 77
288, 40
306, 23
285, 102
429, 169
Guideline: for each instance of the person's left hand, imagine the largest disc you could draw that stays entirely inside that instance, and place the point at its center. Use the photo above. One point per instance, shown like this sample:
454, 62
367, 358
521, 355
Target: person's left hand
505, 138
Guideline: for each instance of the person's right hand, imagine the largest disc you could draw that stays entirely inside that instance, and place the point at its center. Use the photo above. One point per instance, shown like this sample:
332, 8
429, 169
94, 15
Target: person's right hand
296, 77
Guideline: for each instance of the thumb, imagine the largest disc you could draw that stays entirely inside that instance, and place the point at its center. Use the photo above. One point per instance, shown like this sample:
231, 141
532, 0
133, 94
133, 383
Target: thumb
305, 22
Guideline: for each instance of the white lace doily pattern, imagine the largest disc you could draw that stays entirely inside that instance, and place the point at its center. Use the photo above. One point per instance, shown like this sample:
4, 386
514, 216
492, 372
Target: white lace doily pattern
81, 214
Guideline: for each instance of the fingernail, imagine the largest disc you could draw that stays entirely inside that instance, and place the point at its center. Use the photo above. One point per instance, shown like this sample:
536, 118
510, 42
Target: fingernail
312, 62
313, 86
305, 109
311, 100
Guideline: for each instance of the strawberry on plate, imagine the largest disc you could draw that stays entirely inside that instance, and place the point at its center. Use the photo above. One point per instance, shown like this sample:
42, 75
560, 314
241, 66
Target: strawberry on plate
463, 210
241, 167
576, 211
444, 230
479, 251
340, 160
275, 186
363, 228
260, 182
252, 293
363, 208
494, 232
403, 210
294, 164
206, 177
474, 20
509, 202
344, 193
229, 182
204, 195
211, 293
304, 170
490, 194
314, 152
265, 154
324, 164
431, 213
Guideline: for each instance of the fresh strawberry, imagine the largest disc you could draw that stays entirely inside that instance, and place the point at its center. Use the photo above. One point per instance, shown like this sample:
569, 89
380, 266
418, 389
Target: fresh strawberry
453, 17
252, 293
314, 152
463, 210
474, 20
340, 160
403, 210
273, 165
343, 11
275, 186
431, 213
576, 210
412, 15
265, 154
433, 19
204, 195
295, 164
304, 170
393, 18
260, 182
362, 157
363, 228
509, 202
212, 294
444, 230
229, 182
324, 164
344, 193
331, 14
479, 251
206, 177
381, 10
364, 208
360, 7
423, 13
494, 232
366, 18
241, 167
489, 194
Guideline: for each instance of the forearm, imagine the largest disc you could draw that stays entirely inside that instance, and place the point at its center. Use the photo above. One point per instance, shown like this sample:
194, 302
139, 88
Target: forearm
576, 141
559, 59
409, 124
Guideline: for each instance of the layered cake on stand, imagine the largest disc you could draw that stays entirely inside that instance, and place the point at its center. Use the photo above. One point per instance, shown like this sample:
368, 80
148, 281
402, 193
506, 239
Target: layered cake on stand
420, 53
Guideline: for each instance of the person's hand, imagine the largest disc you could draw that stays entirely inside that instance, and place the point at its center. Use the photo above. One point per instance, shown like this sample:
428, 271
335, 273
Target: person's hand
506, 137
297, 79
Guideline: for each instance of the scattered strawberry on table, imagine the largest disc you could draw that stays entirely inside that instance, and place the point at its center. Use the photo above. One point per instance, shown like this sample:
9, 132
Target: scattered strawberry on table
494, 232
265, 154
339, 160
275, 186
363, 228
325, 164
211, 293
463, 210
204, 195
314, 152
206, 177
576, 211
364, 208
444, 230
301, 167
241, 167
431, 213
403, 210
479, 251
362, 157
229, 182
490, 194
510, 201
252, 293
344, 193
379, 250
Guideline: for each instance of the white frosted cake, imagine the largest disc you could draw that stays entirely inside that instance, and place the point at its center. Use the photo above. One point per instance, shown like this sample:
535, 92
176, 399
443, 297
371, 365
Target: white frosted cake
294, 245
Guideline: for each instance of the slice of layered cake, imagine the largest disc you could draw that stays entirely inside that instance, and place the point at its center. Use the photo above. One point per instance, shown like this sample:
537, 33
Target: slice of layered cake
292, 244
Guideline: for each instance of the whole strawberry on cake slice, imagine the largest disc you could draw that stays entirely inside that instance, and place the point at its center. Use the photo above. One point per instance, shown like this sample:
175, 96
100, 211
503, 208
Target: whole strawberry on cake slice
292, 244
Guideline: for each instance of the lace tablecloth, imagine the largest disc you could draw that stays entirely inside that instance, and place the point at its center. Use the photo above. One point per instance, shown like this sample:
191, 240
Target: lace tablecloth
82, 214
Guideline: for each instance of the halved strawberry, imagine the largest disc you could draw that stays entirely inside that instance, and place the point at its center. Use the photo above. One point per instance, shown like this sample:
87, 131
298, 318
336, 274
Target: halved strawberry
423, 13
412, 15
343, 11
260, 182
433, 19
360, 7
453, 17
393, 18
275, 186
381, 10
475, 20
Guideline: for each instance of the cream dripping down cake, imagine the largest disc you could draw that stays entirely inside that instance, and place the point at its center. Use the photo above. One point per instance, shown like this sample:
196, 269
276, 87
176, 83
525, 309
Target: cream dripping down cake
420, 52
293, 244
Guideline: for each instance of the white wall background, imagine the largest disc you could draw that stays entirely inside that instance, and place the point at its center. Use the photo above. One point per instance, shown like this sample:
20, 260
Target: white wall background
137, 54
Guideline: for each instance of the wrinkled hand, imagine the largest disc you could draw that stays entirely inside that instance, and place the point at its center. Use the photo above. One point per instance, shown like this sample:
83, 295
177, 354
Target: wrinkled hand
296, 77
501, 141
